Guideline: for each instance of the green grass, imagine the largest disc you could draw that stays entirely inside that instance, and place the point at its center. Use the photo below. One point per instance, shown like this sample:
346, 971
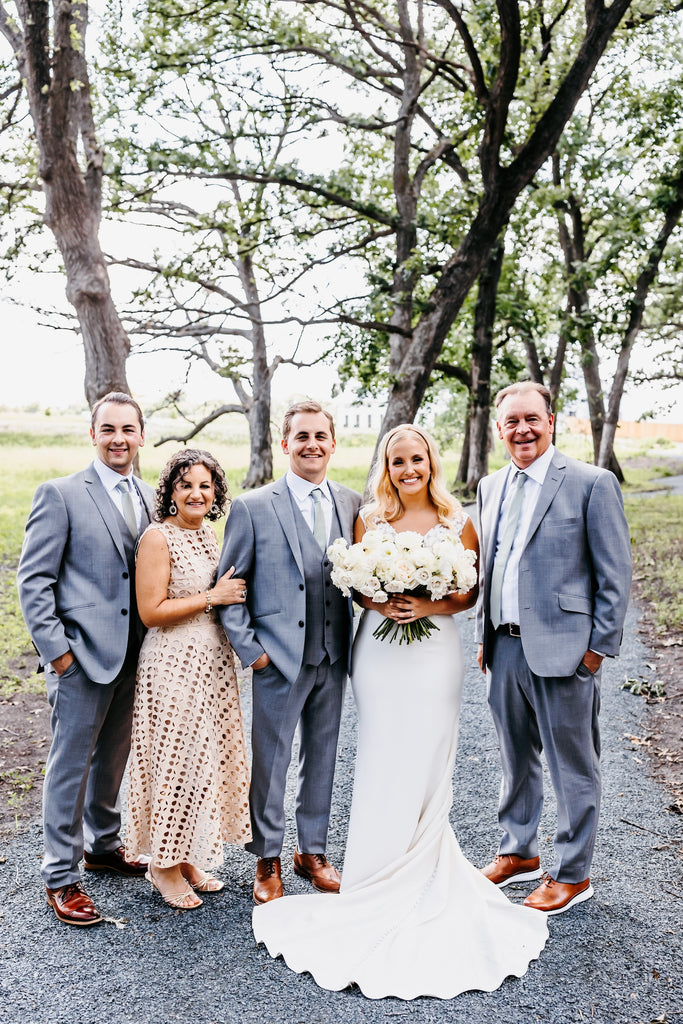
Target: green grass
18, 660
657, 541
37, 448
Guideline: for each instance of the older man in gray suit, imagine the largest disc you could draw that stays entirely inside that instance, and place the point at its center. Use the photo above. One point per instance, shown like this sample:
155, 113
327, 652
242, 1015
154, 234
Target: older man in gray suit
555, 578
295, 632
76, 586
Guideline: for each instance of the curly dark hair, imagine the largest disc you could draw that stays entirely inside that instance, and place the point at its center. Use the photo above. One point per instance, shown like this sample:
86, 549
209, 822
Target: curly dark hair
176, 467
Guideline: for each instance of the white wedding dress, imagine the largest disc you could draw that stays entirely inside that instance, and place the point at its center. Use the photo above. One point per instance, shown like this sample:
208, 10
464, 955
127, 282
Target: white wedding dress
414, 917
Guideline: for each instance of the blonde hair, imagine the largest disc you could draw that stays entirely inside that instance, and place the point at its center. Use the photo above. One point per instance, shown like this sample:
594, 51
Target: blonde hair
386, 505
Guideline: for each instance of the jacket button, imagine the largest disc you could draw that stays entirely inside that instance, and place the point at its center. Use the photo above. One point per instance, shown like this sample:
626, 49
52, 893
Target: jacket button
301, 586
124, 611
301, 623
125, 575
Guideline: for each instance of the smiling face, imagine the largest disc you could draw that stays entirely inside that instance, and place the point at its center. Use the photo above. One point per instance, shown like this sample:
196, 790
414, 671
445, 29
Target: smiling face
525, 425
309, 445
117, 435
193, 494
408, 466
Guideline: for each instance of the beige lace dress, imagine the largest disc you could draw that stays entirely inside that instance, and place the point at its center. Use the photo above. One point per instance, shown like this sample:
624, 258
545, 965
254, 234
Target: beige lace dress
189, 780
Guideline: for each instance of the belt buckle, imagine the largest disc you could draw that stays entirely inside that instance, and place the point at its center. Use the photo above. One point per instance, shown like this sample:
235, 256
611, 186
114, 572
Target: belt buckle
514, 629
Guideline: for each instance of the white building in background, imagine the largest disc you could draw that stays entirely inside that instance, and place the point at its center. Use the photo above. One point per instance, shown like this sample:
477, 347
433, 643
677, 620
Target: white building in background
359, 419
366, 416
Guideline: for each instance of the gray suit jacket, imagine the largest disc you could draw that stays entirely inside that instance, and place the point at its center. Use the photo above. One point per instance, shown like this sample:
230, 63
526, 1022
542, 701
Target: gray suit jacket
74, 579
261, 541
575, 570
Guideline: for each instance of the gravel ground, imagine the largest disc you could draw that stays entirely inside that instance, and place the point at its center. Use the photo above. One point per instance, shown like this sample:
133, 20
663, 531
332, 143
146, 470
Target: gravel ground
613, 960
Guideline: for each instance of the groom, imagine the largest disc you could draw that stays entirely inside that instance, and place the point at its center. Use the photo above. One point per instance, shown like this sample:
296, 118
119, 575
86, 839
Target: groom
295, 632
555, 571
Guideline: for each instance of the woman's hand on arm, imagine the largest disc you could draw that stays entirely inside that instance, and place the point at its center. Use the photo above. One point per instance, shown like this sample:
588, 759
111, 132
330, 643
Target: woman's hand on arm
152, 576
229, 589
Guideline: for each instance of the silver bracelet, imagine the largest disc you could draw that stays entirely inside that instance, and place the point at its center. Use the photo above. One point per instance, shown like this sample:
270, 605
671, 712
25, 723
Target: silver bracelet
209, 606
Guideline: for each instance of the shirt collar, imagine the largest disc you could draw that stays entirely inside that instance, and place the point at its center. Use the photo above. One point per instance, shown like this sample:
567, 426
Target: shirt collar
301, 489
109, 477
537, 470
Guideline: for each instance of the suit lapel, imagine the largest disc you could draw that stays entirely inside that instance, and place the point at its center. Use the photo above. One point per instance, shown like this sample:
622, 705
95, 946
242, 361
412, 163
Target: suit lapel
491, 511
282, 505
344, 507
105, 507
147, 504
553, 479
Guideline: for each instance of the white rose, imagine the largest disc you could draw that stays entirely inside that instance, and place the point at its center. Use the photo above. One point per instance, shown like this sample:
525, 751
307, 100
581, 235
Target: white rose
372, 539
342, 580
409, 540
357, 557
337, 549
404, 570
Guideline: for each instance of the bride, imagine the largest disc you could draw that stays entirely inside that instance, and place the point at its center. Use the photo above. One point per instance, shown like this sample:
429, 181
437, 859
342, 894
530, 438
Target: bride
413, 916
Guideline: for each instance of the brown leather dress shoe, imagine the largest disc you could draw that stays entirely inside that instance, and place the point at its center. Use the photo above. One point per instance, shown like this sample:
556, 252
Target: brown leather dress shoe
509, 867
555, 897
268, 881
318, 870
72, 905
115, 860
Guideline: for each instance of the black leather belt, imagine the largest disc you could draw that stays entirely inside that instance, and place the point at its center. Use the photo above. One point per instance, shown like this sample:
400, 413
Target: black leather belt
510, 628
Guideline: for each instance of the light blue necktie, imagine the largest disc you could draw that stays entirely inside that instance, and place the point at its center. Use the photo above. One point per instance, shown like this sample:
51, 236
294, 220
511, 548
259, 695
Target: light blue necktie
504, 549
319, 524
127, 505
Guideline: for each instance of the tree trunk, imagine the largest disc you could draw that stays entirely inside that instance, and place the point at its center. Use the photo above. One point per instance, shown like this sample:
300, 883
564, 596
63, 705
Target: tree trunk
461, 474
579, 319
406, 194
646, 277
482, 359
258, 408
57, 84
260, 444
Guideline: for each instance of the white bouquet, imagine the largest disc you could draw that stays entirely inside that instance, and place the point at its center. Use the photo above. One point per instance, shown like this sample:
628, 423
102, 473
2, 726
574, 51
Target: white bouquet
382, 564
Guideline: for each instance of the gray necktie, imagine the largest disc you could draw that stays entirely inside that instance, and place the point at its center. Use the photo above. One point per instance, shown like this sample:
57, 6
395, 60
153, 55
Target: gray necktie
127, 506
319, 524
504, 549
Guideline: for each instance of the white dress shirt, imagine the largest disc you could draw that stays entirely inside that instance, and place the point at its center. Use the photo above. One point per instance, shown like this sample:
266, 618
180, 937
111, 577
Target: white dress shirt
301, 492
536, 474
110, 481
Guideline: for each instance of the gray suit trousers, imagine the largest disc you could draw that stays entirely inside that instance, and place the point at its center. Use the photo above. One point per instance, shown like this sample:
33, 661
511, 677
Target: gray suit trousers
91, 730
558, 715
314, 703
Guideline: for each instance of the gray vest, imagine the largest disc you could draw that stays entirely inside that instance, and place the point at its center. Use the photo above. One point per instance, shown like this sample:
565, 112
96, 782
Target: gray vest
327, 610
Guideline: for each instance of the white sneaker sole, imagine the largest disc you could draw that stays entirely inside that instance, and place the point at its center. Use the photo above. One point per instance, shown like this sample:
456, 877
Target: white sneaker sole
580, 897
522, 876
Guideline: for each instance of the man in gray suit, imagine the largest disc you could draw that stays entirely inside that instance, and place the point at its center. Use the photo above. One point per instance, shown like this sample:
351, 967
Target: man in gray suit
76, 586
555, 574
295, 632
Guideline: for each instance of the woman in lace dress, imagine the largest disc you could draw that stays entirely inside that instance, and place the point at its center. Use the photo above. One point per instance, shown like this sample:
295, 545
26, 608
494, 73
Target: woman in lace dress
189, 779
413, 916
